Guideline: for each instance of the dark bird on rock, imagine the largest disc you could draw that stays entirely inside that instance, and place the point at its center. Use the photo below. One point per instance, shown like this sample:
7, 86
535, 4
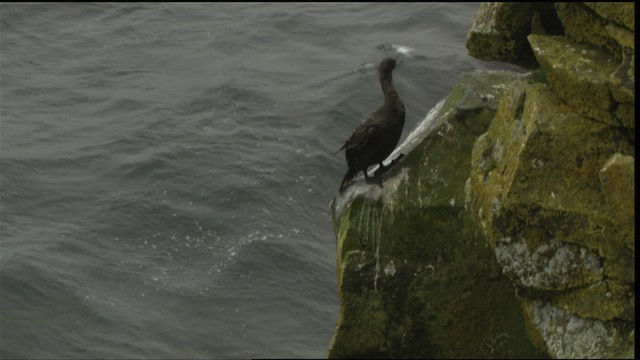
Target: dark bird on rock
378, 134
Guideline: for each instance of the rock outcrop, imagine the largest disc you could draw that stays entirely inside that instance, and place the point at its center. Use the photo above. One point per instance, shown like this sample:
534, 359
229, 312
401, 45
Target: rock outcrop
542, 185
507, 230
415, 276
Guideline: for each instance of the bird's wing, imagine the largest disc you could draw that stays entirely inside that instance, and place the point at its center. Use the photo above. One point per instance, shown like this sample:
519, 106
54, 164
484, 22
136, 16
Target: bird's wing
362, 134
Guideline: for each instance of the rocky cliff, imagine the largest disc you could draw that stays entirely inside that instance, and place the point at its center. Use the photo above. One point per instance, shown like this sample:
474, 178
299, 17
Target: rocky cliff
507, 230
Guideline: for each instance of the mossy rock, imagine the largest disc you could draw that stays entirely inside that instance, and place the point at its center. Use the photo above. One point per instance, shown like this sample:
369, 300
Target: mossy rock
578, 75
545, 173
414, 275
499, 33
603, 300
617, 179
542, 206
583, 25
622, 13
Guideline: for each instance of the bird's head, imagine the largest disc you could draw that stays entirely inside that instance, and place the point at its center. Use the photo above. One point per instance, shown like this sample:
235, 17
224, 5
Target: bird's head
387, 65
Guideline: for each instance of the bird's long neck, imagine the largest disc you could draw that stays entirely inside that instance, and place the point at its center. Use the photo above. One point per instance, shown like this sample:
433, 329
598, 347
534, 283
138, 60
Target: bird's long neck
386, 82
391, 97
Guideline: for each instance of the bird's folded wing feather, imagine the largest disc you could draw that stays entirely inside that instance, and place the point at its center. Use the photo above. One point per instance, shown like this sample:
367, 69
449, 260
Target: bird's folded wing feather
362, 135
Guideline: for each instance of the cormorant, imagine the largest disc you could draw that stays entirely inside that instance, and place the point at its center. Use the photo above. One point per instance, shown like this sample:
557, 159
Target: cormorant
378, 134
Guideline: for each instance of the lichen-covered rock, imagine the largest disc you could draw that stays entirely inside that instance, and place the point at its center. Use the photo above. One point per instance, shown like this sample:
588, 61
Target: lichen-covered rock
603, 300
415, 277
570, 336
598, 62
617, 178
539, 163
583, 25
622, 13
579, 75
547, 266
536, 191
608, 29
624, 78
499, 33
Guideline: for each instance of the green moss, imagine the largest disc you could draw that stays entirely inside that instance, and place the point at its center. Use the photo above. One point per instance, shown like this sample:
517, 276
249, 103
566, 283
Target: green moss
625, 114
578, 75
622, 13
582, 25
540, 75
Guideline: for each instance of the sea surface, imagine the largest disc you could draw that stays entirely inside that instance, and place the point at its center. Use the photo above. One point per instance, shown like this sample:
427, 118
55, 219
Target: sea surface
166, 169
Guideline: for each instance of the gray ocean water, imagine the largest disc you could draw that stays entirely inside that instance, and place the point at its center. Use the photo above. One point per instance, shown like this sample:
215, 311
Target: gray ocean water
166, 169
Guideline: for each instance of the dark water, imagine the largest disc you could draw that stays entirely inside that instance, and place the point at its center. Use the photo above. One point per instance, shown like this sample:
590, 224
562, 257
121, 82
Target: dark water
166, 169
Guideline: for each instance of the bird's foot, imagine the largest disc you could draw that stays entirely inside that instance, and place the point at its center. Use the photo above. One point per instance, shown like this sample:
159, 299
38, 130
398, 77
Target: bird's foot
382, 169
394, 161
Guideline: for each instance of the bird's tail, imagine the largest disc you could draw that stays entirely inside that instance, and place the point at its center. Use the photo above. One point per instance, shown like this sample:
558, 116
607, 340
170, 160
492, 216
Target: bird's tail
347, 177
